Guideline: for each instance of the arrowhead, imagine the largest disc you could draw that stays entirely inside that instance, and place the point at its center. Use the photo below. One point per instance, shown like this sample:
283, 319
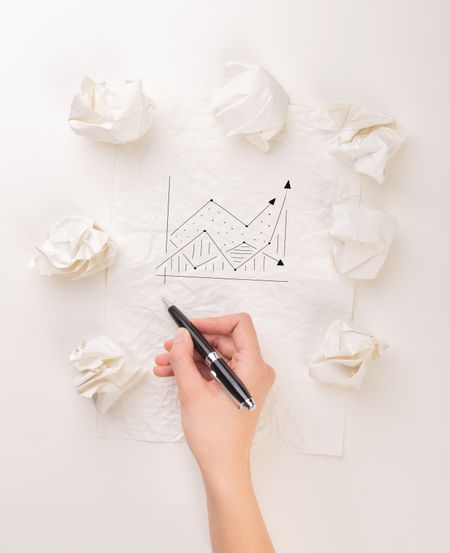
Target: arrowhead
272, 202
287, 185
280, 263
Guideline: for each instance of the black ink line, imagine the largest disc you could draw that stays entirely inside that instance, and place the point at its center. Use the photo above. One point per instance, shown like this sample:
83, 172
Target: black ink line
264, 263
164, 275
213, 267
178, 263
256, 216
285, 233
193, 250
189, 260
221, 206
270, 256
226, 278
193, 215
182, 248
279, 215
173, 243
209, 248
185, 267
223, 266
211, 238
200, 264
235, 247
256, 253
239, 245
201, 246
167, 220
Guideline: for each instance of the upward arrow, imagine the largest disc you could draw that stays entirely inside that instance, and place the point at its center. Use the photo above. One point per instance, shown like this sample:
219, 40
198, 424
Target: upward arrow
270, 202
287, 185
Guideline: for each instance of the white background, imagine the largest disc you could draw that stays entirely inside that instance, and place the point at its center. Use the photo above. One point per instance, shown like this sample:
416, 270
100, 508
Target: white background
64, 490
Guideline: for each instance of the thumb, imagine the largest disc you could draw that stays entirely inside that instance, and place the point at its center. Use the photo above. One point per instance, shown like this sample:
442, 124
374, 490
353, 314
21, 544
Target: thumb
181, 358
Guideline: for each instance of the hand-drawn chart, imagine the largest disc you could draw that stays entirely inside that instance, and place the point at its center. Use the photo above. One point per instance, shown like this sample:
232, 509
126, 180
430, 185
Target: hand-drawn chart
213, 241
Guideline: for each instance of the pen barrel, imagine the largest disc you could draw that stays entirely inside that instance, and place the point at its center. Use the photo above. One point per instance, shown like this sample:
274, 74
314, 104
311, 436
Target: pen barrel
200, 343
218, 367
229, 381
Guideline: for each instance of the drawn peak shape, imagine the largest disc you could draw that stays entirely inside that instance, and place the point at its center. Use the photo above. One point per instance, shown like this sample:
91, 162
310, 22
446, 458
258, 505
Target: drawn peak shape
202, 252
241, 253
213, 239
225, 228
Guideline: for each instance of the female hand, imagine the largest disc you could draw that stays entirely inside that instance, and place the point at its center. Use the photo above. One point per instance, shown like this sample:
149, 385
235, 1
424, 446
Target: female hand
218, 434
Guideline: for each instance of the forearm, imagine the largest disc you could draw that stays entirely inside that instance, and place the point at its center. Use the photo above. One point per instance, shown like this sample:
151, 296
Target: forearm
235, 521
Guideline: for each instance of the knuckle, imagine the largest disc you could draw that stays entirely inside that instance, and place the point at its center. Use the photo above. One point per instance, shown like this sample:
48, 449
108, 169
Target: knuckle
245, 316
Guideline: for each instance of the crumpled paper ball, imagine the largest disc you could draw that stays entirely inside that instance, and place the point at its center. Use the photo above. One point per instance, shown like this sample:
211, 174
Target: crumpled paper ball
107, 371
251, 104
361, 239
107, 113
366, 140
344, 353
74, 248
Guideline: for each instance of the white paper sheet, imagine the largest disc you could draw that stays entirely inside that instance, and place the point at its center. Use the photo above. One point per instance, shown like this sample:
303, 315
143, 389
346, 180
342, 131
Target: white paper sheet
345, 351
361, 239
105, 371
366, 140
187, 178
110, 113
74, 247
251, 104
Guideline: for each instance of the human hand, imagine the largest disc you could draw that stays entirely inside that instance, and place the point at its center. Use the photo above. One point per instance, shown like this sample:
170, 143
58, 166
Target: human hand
219, 435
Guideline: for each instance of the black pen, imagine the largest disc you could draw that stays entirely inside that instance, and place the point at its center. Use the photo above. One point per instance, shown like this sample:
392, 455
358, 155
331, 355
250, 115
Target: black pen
216, 364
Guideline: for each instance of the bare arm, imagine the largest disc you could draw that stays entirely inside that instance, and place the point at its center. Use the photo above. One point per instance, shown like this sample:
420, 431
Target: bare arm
219, 435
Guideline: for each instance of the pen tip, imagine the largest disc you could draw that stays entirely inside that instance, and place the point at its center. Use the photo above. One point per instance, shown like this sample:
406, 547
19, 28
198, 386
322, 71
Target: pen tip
166, 302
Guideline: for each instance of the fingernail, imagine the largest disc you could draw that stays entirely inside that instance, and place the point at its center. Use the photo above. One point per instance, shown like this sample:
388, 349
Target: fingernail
180, 335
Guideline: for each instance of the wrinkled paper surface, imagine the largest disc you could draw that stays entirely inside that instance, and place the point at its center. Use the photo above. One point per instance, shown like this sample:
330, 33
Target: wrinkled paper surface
230, 206
251, 104
74, 247
110, 113
366, 139
106, 370
346, 350
362, 238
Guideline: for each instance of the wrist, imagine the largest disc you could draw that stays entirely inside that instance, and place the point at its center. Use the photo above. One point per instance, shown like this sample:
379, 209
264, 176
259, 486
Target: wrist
228, 480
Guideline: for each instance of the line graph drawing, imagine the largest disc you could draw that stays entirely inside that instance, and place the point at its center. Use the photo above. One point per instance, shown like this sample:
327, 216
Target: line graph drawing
214, 241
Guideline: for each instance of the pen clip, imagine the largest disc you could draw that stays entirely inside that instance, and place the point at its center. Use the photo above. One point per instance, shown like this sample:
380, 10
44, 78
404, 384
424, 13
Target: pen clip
233, 399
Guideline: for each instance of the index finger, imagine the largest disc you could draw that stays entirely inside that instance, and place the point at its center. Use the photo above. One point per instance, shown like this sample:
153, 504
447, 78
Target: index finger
238, 325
